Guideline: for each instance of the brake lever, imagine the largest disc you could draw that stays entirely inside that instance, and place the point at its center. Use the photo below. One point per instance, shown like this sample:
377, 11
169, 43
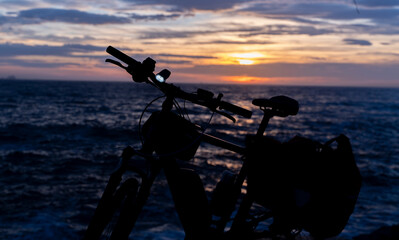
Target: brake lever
224, 114
116, 63
218, 99
128, 70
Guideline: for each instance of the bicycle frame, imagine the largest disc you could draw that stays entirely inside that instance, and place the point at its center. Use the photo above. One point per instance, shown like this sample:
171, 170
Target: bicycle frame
168, 163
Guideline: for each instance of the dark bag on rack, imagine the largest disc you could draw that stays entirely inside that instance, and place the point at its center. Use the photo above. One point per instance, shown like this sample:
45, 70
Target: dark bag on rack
330, 180
311, 185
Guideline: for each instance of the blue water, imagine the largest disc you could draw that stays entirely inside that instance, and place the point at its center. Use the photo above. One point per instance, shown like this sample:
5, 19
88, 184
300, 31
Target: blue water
59, 141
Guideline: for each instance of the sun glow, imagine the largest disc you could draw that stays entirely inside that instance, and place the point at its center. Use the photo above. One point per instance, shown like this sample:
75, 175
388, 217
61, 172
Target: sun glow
247, 55
246, 79
247, 58
245, 61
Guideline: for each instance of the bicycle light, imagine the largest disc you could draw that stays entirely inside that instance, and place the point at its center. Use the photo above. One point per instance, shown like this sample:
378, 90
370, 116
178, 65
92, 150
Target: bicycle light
162, 75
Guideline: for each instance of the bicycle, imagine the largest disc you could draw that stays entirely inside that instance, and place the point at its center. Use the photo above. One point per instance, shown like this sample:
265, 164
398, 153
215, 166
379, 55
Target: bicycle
170, 136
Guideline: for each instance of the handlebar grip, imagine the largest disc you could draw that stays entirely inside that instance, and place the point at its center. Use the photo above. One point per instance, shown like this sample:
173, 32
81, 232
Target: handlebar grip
120, 55
235, 109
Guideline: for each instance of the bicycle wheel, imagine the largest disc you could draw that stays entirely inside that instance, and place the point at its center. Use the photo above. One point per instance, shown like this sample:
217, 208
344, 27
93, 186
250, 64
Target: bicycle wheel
124, 218
110, 209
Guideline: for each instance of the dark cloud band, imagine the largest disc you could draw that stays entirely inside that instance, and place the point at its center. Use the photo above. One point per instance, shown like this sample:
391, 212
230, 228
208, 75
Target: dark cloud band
193, 4
359, 42
11, 50
70, 16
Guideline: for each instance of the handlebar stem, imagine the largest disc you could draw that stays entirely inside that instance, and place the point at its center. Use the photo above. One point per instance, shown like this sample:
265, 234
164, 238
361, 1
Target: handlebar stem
167, 105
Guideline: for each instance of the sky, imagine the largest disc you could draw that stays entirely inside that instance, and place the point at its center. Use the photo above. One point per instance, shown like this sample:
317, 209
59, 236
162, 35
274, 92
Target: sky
279, 42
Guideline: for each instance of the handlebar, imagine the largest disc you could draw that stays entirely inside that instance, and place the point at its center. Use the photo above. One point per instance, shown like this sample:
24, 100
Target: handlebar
143, 72
120, 55
235, 109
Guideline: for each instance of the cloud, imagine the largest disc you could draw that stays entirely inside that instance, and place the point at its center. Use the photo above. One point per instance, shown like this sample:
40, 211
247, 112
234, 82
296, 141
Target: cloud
289, 30
35, 63
70, 16
376, 14
156, 17
248, 42
185, 56
168, 61
56, 38
3, 19
10, 3
378, 3
167, 34
328, 15
162, 33
170, 33
325, 10
290, 10
192, 4
240, 31
351, 41
15, 20
354, 74
12, 50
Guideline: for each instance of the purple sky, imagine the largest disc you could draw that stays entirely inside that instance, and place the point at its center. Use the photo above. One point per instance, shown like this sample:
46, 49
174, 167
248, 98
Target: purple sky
285, 42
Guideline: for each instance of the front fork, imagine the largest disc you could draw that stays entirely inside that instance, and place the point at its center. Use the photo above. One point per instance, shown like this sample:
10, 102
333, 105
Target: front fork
131, 210
113, 196
106, 205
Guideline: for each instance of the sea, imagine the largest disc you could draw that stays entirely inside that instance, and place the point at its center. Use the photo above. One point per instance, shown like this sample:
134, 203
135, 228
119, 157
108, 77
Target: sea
60, 141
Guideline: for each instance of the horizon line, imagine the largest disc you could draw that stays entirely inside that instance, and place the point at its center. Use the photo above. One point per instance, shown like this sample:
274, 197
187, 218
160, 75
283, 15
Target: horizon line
204, 83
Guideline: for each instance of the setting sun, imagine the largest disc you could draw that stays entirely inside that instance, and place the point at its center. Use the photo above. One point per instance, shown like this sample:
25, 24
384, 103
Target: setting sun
246, 58
245, 61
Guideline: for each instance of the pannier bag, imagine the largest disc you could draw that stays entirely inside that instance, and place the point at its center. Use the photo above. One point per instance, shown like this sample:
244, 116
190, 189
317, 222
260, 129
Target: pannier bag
172, 135
306, 184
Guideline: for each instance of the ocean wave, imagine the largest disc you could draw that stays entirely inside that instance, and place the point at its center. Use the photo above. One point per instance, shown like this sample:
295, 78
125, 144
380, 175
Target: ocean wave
90, 130
59, 141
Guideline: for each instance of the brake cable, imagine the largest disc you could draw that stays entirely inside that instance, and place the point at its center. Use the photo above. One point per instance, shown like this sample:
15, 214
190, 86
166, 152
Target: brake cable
142, 114
185, 110
203, 129
177, 106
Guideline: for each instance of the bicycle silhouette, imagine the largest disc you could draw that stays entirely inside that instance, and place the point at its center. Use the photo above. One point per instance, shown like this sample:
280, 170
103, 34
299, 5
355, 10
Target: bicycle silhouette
280, 176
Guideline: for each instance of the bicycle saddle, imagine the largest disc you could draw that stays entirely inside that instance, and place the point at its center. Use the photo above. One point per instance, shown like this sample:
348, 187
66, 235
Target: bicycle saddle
281, 106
